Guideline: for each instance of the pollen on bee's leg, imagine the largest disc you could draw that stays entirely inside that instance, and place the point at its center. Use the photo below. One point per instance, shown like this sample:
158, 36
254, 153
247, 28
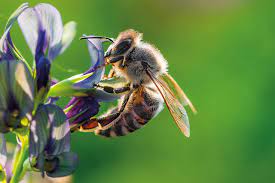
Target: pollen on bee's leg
89, 127
105, 76
100, 126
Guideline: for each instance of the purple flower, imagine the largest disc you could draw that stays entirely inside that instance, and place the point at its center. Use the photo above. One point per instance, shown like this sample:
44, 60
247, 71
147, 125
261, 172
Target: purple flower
96, 52
17, 94
50, 142
22, 96
16, 84
47, 38
44, 32
80, 109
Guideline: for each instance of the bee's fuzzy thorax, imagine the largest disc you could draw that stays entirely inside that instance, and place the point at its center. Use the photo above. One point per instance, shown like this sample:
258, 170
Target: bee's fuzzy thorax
160, 61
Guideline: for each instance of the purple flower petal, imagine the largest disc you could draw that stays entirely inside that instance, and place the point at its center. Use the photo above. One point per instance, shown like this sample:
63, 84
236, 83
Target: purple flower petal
41, 18
17, 94
7, 53
96, 51
52, 23
59, 140
45, 18
40, 131
82, 109
50, 142
43, 73
50, 132
29, 24
69, 33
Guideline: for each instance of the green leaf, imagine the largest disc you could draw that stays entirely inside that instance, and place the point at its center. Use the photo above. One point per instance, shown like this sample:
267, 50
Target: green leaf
67, 88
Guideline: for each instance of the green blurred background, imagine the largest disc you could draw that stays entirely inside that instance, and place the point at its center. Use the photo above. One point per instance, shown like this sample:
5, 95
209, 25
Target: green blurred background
222, 54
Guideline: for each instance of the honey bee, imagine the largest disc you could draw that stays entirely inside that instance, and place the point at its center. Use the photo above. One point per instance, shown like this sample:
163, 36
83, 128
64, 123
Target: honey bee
148, 87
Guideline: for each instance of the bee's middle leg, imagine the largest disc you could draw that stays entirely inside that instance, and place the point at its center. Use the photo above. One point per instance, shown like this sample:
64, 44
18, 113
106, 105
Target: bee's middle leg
112, 90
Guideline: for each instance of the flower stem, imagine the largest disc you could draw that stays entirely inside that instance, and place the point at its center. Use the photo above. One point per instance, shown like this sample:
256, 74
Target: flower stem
18, 165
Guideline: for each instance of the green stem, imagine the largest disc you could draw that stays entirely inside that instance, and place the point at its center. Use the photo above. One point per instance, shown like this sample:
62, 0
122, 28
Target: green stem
26, 167
18, 165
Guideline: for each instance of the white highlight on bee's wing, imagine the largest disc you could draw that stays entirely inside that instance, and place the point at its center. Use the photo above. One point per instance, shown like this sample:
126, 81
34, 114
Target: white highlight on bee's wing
175, 107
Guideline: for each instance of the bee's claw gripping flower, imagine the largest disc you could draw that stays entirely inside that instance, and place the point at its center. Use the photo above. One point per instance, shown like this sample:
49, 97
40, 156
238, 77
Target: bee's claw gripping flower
3, 157
50, 141
16, 99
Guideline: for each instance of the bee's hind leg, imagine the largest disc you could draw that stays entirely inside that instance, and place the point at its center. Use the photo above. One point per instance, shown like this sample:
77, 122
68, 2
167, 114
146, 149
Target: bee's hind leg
103, 123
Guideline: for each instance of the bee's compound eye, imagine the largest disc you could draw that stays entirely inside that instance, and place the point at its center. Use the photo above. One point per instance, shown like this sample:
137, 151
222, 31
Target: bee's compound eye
122, 47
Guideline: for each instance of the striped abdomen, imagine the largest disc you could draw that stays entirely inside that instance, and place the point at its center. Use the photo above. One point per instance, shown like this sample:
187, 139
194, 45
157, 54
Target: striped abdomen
143, 105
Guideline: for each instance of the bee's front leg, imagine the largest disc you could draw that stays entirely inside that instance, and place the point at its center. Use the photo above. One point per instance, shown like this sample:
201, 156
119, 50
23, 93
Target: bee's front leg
111, 73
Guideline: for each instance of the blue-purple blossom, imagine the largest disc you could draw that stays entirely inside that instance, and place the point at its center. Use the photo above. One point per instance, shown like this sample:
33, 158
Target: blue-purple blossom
7, 53
83, 108
47, 38
43, 128
50, 142
16, 84
44, 32
17, 94
96, 52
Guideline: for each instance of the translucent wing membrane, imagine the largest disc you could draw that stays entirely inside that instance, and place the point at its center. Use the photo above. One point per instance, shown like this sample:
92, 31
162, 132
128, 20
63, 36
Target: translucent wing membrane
174, 105
169, 83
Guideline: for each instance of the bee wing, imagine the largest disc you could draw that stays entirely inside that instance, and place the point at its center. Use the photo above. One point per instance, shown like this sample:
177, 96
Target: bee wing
173, 104
169, 83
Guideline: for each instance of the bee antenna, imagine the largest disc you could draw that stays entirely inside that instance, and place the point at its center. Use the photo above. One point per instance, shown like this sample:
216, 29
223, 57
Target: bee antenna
97, 37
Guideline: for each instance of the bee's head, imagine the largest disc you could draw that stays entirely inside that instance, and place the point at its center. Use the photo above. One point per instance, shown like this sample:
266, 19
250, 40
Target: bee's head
124, 43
